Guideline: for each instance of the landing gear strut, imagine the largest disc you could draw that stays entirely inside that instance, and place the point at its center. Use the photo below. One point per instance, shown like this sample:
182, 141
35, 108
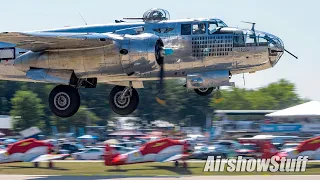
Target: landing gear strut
176, 164
185, 164
36, 164
64, 101
50, 165
123, 100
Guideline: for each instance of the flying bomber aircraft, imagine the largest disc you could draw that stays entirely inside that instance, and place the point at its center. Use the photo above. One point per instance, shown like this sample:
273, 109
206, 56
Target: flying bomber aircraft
205, 52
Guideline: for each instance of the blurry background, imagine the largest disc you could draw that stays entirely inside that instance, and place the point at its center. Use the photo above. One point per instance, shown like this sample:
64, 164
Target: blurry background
289, 83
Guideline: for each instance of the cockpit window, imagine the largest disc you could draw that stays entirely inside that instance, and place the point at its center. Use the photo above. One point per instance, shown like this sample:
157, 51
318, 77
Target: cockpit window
251, 40
263, 41
199, 28
221, 24
238, 39
185, 29
212, 27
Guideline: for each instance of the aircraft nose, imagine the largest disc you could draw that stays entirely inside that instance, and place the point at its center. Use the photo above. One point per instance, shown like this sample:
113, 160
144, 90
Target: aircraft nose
276, 48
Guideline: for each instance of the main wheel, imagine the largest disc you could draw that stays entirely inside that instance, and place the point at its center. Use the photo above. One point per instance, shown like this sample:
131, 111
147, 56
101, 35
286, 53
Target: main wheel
204, 91
125, 105
64, 101
36, 164
50, 165
176, 164
185, 165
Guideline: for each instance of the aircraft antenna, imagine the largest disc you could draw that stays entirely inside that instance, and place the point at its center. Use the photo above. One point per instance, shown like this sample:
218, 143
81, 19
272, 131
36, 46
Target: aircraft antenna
252, 23
83, 19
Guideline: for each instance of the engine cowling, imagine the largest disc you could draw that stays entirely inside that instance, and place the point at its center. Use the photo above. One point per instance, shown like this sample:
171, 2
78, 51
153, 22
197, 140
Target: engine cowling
208, 79
139, 53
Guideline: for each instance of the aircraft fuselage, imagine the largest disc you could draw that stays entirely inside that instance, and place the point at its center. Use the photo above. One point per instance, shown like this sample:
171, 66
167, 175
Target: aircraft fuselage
216, 47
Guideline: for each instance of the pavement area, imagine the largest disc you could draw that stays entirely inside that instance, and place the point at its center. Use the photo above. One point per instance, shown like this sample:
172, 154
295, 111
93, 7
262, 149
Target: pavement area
266, 177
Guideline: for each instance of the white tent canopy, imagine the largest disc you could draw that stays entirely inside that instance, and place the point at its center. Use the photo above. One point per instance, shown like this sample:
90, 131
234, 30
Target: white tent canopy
311, 108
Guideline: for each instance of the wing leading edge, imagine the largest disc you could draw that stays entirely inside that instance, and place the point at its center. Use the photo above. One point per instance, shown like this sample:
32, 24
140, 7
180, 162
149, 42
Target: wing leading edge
49, 157
40, 41
174, 158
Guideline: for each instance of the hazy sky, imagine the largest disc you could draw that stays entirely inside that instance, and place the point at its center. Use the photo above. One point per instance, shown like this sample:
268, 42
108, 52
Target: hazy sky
296, 22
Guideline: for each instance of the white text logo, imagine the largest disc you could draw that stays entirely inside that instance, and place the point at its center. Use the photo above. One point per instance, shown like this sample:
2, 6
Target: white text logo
274, 164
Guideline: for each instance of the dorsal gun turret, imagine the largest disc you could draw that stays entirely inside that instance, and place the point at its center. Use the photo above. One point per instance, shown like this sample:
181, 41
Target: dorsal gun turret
156, 14
153, 15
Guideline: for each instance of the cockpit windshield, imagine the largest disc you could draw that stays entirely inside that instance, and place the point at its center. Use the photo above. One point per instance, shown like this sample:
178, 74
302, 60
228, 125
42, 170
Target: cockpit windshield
221, 23
214, 25
259, 38
265, 39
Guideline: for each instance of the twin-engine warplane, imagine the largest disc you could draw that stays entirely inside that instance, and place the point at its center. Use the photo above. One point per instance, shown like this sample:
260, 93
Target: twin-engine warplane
206, 52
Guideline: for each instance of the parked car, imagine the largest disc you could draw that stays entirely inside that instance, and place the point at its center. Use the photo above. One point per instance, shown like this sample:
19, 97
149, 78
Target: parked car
70, 148
203, 151
2, 140
287, 146
89, 154
129, 144
122, 149
228, 147
248, 150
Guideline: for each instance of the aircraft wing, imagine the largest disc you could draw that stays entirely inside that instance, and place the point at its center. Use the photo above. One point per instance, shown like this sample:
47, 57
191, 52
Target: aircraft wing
49, 157
173, 158
39, 41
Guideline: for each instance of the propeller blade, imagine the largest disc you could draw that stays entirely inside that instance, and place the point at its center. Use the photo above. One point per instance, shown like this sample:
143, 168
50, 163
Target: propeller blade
161, 53
161, 97
291, 53
161, 76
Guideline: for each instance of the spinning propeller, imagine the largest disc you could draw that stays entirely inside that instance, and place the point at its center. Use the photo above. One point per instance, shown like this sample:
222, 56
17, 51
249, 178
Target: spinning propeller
161, 52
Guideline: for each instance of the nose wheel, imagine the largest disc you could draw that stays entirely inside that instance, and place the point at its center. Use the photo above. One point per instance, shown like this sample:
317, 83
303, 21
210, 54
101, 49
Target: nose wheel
123, 100
64, 101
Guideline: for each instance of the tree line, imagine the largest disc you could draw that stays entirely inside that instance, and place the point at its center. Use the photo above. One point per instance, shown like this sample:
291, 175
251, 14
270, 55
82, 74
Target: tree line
27, 104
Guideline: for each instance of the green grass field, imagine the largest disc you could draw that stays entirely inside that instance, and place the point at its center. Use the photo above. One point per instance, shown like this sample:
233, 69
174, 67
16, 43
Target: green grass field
148, 169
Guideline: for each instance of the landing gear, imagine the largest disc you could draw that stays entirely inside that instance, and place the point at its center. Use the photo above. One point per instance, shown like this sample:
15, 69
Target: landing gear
64, 101
176, 164
123, 100
50, 165
36, 164
204, 91
185, 164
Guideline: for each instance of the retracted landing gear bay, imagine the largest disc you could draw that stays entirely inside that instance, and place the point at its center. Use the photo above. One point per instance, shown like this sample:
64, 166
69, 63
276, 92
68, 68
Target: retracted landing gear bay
123, 100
